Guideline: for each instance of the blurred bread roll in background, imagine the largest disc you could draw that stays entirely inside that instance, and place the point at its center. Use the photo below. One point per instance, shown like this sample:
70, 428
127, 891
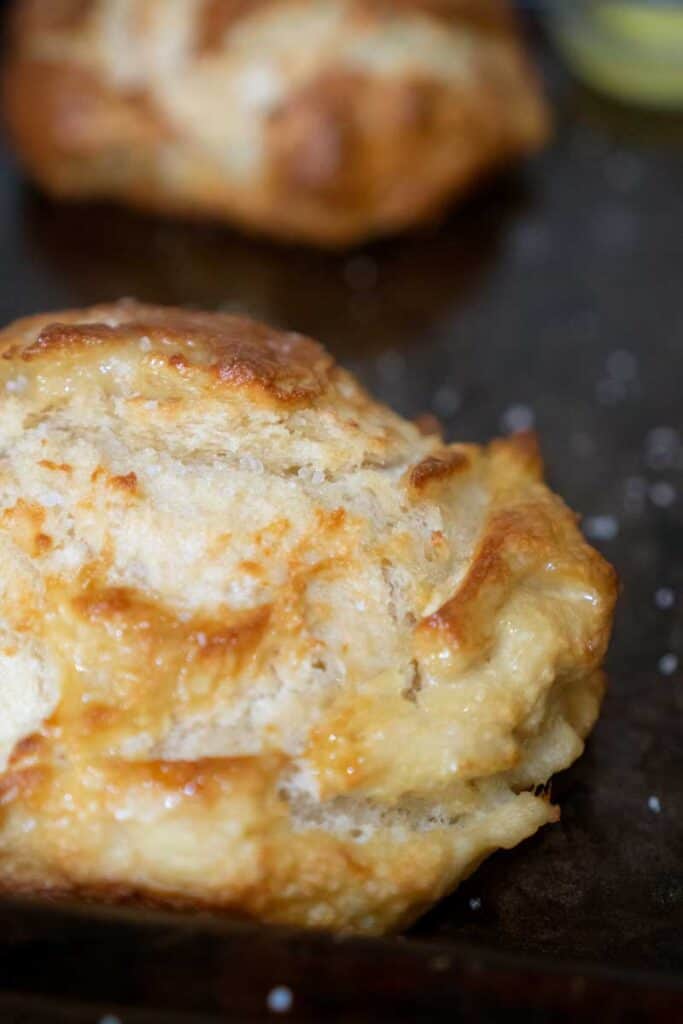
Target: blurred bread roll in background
265, 646
324, 121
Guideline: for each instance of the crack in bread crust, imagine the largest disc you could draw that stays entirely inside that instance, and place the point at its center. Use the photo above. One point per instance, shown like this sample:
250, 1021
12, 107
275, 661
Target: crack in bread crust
265, 645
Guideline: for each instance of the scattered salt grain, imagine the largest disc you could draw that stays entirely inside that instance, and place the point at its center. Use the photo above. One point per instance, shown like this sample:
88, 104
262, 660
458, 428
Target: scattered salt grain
144, 344
621, 377
654, 803
667, 664
251, 464
662, 438
313, 476
391, 365
475, 903
16, 385
665, 598
516, 418
201, 639
662, 494
601, 527
662, 445
446, 401
50, 499
109, 1018
280, 999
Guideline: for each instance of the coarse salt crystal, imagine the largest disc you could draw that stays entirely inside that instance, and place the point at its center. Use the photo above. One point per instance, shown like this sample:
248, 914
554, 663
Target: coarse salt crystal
662, 494
16, 385
667, 664
601, 527
654, 803
251, 464
280, 999
51, 499
446, 400
517, 418
662, 445
662, 439
665, 598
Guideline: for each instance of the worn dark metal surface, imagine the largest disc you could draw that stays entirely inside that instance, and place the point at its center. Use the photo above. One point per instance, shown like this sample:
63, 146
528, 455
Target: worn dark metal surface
557, 295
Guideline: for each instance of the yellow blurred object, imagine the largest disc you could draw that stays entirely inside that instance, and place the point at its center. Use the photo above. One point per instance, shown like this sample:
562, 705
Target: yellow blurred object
633, 51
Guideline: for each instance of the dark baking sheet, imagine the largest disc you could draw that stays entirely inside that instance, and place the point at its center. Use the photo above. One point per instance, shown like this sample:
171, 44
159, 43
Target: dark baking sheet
556, 293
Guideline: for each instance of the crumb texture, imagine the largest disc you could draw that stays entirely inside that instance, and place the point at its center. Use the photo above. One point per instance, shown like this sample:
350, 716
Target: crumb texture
263, 644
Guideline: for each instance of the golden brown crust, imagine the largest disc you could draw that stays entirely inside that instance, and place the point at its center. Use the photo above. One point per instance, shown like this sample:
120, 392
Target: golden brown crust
518, 542
437, 468
318, 139
36, 15
487, 15
532, 537
234, 588
75, 134
216, 17
229, 350
320, 122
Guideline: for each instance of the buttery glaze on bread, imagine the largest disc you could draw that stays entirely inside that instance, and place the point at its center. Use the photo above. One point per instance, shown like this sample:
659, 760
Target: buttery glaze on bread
326, 121
264, 645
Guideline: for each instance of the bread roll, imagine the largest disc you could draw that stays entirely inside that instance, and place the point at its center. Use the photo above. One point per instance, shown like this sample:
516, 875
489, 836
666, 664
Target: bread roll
325, 121
264, 645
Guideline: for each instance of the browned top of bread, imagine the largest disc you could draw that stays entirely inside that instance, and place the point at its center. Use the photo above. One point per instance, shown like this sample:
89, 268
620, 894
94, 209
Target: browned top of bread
222, 349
